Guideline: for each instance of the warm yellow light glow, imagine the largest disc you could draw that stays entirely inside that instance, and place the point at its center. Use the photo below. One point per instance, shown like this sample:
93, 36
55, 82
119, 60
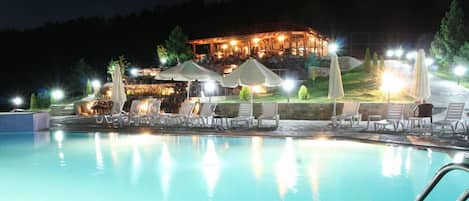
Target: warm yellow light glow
224, 46
259, 89
281, 38
256, 40
391, 83
233, 42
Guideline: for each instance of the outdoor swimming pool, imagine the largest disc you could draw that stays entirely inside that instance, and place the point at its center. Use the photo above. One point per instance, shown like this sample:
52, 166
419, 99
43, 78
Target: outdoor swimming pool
110, 166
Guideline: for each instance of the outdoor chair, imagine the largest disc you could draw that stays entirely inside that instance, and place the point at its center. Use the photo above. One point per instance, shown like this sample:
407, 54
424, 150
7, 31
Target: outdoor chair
153, 112
269, 112
423, 115
136, 113
185, 112
394, 117
454, 117
206, 114
349, 113
244, 115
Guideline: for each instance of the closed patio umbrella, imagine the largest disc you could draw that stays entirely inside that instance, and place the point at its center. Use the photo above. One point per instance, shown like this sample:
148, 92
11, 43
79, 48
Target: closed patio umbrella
336, 89
421, 88
251, 73
118, 96
188, 71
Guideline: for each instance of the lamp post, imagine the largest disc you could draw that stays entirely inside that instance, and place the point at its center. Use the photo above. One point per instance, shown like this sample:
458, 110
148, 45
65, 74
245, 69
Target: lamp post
17, 101
96, 84
288, 86
459, 71
209, 88
134, 72
390, 84
57, 95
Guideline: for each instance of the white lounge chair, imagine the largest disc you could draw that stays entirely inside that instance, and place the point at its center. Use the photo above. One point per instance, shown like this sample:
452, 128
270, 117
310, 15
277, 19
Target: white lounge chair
153, 112
269, 112
185, 112
244, 115
136, 113
394, 117
206, 113
349, 113
113, 119
454, 117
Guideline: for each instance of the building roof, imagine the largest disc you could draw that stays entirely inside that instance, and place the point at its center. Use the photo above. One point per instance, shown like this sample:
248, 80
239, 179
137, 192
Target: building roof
265, 29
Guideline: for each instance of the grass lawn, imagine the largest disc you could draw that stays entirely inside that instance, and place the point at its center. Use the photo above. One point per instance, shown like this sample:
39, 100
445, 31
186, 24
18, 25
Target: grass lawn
450, 76
358, 85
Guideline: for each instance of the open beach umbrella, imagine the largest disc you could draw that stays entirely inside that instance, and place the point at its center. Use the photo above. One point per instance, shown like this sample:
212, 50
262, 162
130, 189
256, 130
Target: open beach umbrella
251, 73
118, 91
188, 71
421, 88
336, 89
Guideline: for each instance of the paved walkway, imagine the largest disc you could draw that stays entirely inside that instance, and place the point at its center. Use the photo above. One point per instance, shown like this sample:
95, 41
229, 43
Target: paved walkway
444, 92
287, 128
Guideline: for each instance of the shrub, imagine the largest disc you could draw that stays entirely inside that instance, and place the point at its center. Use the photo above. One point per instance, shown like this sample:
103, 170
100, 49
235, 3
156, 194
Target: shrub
245, 93
33, 104
303, 93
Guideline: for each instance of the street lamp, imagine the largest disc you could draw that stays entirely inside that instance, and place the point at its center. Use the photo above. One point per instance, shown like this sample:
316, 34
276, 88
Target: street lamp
411, 55
17, 101
134, 72
288, 86
96, 84
333, 48
390, 53
459, 71
209, 88
390, 84
57, 95
399, 52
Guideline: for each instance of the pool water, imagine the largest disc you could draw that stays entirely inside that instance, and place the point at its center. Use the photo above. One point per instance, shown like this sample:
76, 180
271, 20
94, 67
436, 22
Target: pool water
110, 166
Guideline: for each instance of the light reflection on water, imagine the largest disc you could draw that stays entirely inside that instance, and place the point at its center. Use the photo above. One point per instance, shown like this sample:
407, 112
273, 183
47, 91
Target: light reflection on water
162, 167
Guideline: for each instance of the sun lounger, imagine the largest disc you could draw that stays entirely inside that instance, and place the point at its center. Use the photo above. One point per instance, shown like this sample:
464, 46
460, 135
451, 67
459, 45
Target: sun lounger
185, 112
349, 113
206, 113
269, 112
454, 117
244, 115
153, 112
394, 117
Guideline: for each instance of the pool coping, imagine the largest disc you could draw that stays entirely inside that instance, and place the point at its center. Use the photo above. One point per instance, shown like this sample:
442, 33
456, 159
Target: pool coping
368, 137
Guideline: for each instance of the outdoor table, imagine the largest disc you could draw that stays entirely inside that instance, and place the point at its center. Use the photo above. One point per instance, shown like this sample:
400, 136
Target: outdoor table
422, 122
373, 117
218, 121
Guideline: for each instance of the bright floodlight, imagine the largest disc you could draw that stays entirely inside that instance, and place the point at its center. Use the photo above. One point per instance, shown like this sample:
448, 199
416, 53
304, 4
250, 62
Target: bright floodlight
134, 72
390, 53
57, 94
163, 61
459, 71
17, 101
333, 48
209, 86
411, 55
399, 52
429, 61
96, 84
288, 85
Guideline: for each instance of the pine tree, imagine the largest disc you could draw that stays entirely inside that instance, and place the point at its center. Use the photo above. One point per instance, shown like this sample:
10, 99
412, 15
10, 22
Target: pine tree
367, 60
449, 39
375, 65
33, 104
177, 46
89, 88
162, 53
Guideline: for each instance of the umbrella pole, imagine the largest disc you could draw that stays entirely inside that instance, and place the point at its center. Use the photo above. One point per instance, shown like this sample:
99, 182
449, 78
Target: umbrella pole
252, 101
334, 112
188, 89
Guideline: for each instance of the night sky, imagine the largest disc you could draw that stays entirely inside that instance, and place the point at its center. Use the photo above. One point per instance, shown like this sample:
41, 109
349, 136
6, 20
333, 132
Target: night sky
32, 13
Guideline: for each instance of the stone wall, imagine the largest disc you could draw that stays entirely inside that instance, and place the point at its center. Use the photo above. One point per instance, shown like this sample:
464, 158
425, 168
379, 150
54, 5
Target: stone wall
309, 111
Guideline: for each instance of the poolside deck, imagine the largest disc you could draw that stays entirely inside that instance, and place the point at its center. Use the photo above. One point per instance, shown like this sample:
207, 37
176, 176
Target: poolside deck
287, 128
